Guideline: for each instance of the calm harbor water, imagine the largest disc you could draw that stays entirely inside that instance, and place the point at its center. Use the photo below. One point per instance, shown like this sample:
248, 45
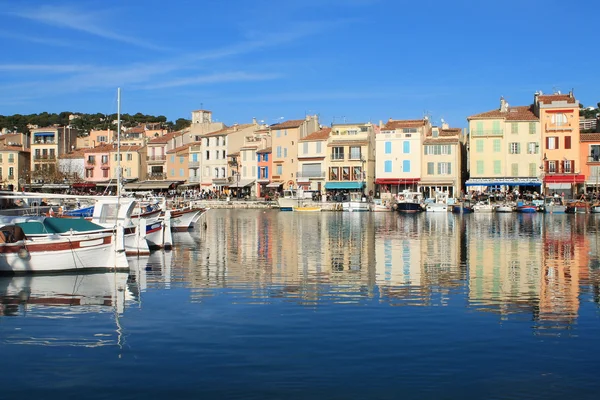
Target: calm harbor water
273, 305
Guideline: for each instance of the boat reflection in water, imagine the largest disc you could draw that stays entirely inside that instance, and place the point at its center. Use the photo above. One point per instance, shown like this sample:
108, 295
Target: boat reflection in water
64, 300
517, 266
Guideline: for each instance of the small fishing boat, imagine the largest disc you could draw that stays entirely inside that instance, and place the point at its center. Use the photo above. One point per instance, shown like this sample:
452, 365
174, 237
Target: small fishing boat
505, 208
481, 207
356, 203
306, 208
577, 207
410, 202
379, 206
462, 208
595, 208
527, 208
554, 205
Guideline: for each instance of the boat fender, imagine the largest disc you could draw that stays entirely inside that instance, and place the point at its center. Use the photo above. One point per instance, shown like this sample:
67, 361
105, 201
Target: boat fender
23, 253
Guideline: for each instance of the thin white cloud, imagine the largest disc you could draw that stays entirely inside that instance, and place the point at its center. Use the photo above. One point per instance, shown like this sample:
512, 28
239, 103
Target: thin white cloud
213, 78
49, 68
36, 39
71, 18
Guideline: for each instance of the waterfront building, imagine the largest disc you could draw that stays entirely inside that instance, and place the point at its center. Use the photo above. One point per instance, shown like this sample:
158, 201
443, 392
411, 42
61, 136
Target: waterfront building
157, 153
398, 151
504, 149
248, 162
194, 170
442, 162
97, 163
178, 163
14, 165
559, 118
351, 162
589, 154
284, 140
46, 145
217, 165
312, 160
264, 164
133, 164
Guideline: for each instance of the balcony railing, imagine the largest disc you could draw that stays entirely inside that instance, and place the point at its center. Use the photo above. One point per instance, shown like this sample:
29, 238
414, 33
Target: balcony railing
315, 174
487, 132
44, 142
194, 179
593, 159
558, 128
157, 176
10, 177
337, 157
156, 158
194, 164
11, 160
44, 157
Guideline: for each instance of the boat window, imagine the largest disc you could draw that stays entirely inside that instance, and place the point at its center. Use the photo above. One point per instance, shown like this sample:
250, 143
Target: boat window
108, 213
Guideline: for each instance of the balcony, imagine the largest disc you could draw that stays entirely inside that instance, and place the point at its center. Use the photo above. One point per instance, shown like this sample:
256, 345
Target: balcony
337, 157
558, 128
157, 176
315, 174
194, 164
10, 177
194, 179
593, 159
11, 160
156, 159
44, 157
44, 142
487, 132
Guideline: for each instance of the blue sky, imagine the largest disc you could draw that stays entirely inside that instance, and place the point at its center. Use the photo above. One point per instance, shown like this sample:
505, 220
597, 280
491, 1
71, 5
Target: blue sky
357, 60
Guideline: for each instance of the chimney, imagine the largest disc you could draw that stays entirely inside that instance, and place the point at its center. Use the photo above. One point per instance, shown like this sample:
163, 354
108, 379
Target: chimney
503, 104
254, 121
380, 124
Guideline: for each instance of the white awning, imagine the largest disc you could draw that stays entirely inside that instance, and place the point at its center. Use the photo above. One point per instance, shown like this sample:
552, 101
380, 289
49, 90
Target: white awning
274, 184
242, 183
559, 185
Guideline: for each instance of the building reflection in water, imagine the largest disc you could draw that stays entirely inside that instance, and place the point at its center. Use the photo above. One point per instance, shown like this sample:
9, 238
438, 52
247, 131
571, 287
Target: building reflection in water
518, 266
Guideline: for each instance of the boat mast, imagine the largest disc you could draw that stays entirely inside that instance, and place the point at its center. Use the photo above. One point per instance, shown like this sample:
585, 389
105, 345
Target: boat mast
119, 142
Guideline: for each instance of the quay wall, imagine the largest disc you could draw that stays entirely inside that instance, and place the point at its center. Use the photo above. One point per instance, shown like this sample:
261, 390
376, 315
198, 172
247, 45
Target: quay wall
325, 206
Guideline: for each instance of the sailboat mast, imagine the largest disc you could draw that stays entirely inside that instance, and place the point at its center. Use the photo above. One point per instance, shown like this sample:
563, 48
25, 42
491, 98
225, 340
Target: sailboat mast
119, 142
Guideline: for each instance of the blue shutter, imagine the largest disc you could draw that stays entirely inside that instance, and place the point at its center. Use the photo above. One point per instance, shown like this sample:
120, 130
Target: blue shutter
266, 172
406, 146
406, 165
388, 147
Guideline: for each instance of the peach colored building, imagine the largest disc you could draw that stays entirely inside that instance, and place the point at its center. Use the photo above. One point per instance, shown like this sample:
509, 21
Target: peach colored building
178, 163
133, 163
559, 121
14, 166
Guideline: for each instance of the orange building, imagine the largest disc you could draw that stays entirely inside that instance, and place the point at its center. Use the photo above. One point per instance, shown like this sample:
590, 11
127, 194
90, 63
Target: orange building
559, 122
589, 152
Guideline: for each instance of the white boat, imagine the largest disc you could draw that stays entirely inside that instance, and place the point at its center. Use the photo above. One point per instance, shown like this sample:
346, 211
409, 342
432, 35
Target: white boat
436, 207
505, 208
595, 208
379, 206
59, 253
554, 205
483, 207
291, 198
356, 203
183, 219
410, 202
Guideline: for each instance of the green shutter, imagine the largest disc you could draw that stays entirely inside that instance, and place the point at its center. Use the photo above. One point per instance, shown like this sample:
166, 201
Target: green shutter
497, 167
531, 169
430, 168
514, 127
514, 169
496, 145
479, 144
480, 167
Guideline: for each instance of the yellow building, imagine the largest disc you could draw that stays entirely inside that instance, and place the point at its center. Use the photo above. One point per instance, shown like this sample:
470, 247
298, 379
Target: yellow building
46, 145
133, 163
178, 163
14, 166
442, 162
504, 148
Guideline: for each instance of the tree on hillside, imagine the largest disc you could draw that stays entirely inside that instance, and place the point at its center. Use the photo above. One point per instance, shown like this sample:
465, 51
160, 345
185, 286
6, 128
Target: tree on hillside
182, 123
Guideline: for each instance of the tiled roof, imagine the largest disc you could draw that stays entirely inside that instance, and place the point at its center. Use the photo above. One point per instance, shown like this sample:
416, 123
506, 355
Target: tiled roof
440, 140
217, 133
125, 149
404, 123
136, 129
105, 148
322, 134
4, 147
348, 143
293, 123
180, 148
517, 113
166, 138
267, 150
589, 137
446, 132
549, 98
78, 153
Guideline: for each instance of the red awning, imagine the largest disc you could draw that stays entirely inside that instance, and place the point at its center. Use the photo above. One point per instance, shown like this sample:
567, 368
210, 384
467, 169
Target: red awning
564, 178
396, 181
84, 185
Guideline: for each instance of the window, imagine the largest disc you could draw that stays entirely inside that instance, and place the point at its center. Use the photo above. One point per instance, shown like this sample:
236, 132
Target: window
435, 133
514, 127
223, 172
567, 166
243, 155
567, 142
514, 169
355, 152
533, 148
285, 152
337, 153
479, 128
409, 130
480, 167
279, 169
278, 151
387, 166
430, 168
532, 128
207, 154
224, 141
305, 148
180, 171
172, 159
223, 156
496, 128
253, 156
244, 171
552, 142
104, 159
278, 133
497, 167
437, 149
346, 173
318, 147
334, 174
129, 157
128, 172
105, 173
388, 147
479, 145
444, 168
207, 142
496, 145
406, 165
181, 160
89, 173
532, 169
406, 147
357, 174
594, 153
91, 159
216, 173
551, 166
559, 119
352, 131
172, 171
594, 171
216, 154
514, 148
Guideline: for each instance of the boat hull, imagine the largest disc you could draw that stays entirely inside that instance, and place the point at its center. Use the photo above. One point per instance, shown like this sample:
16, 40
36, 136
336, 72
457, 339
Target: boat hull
288, 204
182, 220
409, 208
436, 207
307, 209
354, 206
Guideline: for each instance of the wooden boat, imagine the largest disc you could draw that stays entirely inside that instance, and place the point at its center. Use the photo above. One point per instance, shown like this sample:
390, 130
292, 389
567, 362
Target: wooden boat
436, 207
577, 207
183, 219
291, 198
52, 252
356, 203
378, 206
527, 208
483, 207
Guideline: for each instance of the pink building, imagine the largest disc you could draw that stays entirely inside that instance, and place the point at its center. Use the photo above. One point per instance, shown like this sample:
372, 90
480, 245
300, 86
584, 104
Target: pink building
97, 166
